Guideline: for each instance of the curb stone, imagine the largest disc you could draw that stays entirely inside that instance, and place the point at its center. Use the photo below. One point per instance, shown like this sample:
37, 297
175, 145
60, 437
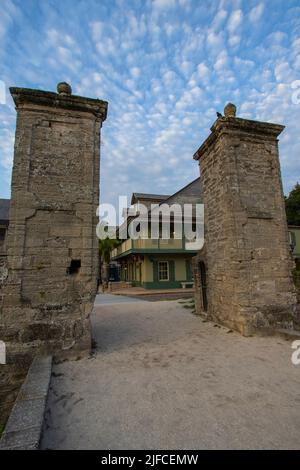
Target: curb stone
24, 426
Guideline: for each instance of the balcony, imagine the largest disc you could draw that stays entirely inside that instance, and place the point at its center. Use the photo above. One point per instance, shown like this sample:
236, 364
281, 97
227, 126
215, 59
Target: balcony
149, 246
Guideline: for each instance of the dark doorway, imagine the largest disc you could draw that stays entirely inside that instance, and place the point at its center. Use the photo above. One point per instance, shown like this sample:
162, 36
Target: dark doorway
202, 271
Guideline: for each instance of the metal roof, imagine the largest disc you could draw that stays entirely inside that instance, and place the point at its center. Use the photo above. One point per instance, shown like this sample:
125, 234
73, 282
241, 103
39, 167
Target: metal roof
137, 196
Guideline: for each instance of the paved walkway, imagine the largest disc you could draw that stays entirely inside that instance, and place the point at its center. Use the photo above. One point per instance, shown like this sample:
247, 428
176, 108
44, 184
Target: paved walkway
111, 299
162, 378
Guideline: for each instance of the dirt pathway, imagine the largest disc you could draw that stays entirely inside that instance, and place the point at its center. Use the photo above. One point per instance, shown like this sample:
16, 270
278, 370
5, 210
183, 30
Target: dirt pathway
161, 378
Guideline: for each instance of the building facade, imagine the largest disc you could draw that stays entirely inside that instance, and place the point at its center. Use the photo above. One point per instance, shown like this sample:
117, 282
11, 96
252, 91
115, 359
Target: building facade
161, 263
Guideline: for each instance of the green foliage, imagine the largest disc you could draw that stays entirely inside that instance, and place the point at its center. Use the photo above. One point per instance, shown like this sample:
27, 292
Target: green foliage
292, 206
106, 246
188, 302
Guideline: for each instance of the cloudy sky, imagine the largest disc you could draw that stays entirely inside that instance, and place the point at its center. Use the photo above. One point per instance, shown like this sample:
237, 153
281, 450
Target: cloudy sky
166, 67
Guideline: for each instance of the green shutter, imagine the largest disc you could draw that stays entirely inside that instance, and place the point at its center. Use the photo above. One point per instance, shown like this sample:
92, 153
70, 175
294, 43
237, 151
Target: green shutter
155, 271
172, 270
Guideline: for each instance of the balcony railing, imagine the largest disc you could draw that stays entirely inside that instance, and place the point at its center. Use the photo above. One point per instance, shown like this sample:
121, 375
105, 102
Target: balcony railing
126, 246
149, 244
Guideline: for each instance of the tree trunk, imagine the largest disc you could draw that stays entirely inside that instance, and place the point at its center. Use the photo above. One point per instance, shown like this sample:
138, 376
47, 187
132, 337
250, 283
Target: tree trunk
105, 278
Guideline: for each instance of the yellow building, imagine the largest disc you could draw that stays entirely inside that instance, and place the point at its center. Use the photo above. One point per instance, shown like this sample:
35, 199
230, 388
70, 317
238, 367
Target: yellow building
158, 263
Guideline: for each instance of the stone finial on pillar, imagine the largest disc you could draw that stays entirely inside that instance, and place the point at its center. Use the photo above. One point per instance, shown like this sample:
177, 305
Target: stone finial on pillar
230, 110
64, 88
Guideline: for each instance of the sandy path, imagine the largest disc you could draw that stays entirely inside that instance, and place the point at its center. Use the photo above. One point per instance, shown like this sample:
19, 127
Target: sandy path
163, 378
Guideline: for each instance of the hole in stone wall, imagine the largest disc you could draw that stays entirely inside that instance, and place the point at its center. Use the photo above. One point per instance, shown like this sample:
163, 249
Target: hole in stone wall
74, 267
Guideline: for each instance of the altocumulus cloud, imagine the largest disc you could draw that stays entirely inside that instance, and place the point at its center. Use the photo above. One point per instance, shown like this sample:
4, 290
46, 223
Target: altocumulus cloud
166, 67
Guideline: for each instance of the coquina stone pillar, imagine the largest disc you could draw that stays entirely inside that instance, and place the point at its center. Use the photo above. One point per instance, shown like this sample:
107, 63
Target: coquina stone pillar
246, 256
52, 246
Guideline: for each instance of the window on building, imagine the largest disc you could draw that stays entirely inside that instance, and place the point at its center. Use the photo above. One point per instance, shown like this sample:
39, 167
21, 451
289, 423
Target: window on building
172, 230
163, 270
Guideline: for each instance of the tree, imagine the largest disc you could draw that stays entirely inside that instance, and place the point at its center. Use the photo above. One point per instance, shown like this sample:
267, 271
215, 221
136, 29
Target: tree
106, 245
292, 206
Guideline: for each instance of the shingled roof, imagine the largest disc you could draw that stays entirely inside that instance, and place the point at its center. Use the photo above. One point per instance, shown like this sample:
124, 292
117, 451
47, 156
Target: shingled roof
4, 210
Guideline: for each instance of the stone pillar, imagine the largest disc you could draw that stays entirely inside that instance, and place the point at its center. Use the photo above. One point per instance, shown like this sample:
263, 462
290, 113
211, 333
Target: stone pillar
52, 246
246, 252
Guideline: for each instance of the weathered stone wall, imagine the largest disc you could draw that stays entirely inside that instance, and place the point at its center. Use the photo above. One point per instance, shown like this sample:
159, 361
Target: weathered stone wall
51, 243
296, 277
3, 261
249, 282
3, 277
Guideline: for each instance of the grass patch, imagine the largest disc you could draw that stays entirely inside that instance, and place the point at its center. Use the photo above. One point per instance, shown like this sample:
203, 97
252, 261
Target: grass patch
189, 306
2, 427
185, 300
188, 303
